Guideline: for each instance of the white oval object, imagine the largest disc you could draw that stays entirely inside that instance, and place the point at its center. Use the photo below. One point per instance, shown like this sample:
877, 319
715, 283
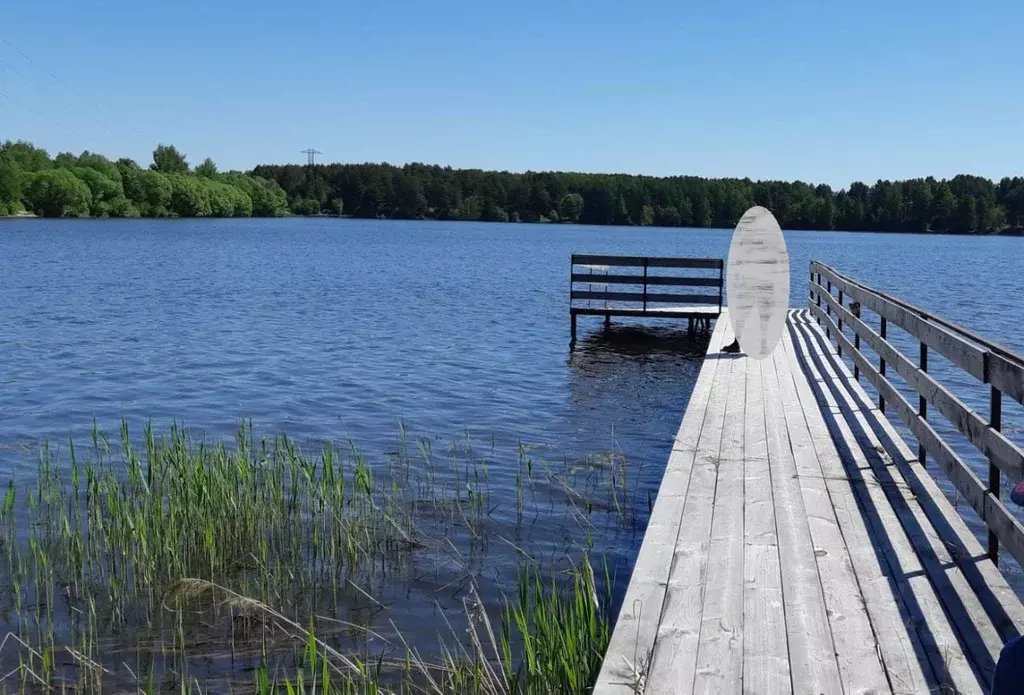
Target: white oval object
758, 282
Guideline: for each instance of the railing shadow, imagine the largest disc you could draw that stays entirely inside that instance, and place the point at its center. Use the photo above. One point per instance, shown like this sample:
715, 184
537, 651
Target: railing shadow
965, 560
883, 545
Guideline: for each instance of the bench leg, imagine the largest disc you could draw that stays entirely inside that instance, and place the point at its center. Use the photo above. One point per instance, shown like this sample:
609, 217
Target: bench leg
572, 330
607, 320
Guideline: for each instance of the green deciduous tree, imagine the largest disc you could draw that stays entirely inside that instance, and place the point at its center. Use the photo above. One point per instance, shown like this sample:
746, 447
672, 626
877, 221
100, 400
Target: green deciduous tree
10, 182
188, 196
106, 193
57, 193
571, 207
207, 169
167, 160
28, 157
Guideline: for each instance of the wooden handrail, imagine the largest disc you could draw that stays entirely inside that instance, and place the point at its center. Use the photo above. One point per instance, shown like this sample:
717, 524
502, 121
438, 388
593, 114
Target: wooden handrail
601, 286
651, 262
986, 361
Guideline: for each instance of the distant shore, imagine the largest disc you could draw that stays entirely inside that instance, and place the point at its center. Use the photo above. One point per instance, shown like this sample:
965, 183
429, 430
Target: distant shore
1009, 232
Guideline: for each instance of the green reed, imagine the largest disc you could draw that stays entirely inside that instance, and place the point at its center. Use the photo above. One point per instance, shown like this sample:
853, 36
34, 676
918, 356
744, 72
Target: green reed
175, 553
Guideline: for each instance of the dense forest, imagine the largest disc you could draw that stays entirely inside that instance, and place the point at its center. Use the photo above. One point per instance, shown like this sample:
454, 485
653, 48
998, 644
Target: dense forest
89, 184
964, 204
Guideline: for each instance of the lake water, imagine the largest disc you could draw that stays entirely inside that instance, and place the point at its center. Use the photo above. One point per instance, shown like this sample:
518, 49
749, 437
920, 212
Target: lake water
334, 329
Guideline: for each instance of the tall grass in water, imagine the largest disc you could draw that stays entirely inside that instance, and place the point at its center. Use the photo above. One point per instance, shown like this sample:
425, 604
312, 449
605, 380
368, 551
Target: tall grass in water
186, 567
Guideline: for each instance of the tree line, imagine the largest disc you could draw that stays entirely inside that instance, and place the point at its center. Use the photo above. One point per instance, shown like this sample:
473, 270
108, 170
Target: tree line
963, 204
90, 184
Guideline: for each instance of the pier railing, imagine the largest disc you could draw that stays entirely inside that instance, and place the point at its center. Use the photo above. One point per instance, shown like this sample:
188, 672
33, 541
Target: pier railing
642, 286
986, 361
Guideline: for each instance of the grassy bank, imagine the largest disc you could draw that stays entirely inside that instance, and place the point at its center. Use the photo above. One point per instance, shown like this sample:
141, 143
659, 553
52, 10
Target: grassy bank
178, 565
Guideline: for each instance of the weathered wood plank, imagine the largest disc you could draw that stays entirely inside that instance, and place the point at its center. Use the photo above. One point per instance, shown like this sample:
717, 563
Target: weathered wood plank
650, 262
1000, 600
673, 665
1007, 375
812, 653
765, 650
661, 280
903, 656
697, 312
954, 347
627, 658
720, 644
977, 634
855, 643
1003, 524
992, 443
650, 297
909, 553
998, 604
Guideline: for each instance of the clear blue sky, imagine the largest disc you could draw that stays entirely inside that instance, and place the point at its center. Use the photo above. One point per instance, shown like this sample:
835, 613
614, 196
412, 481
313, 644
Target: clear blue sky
821, 91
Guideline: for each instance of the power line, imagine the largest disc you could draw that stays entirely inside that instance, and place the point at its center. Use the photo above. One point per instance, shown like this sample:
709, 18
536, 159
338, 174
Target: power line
61, 83
310, 155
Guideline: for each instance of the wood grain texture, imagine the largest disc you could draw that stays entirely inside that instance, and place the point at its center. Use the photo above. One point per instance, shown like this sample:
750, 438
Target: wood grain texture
974, 632
981, 604
673, 666
812, 654
857, 650
796, 545
765, 649
627, 658
720, 643
906, 665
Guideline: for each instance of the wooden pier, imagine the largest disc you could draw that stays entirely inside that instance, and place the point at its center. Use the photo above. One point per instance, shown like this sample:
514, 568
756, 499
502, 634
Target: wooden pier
799, 544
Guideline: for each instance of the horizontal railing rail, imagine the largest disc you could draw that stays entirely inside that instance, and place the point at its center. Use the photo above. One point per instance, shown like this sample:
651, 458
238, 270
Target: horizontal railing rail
988, 362
647, 261
602, 286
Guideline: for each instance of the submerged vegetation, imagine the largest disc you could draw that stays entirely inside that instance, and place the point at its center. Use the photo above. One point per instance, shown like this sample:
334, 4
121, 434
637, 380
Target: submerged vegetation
191, 567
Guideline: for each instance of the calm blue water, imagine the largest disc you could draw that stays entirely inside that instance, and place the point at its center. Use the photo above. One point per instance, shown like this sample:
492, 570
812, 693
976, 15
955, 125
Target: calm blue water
327, 329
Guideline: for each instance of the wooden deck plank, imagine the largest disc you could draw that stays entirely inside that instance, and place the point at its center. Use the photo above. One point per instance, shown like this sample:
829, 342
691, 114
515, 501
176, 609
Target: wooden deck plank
938, 636
811, 650
852, 633
765, 650
906, 665
720, 643
970, 605
796, 545
627, 659
675, 650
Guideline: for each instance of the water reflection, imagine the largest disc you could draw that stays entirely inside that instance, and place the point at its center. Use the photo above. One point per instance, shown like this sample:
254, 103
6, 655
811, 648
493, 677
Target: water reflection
637, 380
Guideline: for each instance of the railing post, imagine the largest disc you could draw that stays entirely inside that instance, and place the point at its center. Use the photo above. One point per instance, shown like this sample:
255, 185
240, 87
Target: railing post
922, 403
995, 421
828, 312
839, 346
818, 292
855, 310
721, 289
881, 365
645, 284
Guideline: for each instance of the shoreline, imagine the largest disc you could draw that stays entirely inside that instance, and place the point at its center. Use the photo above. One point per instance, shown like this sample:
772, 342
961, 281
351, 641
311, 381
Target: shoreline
1010, 232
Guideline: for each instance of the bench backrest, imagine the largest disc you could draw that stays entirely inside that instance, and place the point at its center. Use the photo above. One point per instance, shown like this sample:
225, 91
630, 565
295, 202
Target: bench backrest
643, 280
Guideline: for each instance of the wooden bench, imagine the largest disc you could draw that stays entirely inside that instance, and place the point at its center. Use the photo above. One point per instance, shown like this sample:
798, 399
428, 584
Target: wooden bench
641, 286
